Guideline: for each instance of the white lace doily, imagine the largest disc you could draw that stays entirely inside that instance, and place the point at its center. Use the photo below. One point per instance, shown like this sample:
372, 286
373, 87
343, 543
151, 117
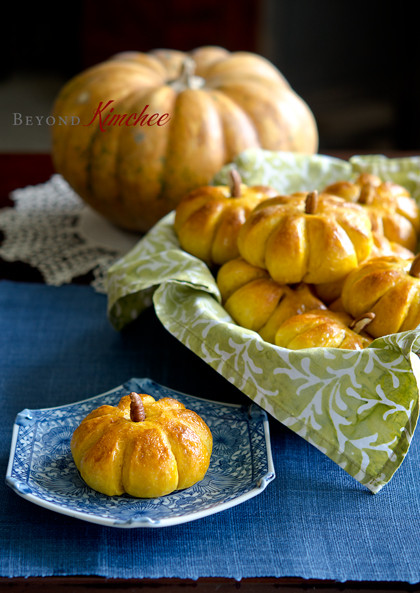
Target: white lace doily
52, 229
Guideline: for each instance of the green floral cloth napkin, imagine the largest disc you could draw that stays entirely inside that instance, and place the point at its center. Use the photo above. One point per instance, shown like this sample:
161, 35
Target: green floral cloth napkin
358, 407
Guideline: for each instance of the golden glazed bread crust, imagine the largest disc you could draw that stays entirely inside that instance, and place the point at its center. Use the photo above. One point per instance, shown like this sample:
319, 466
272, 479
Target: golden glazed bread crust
169, 450
393, 212
316, 329
208, 220
258, 303
297, 244
385, 286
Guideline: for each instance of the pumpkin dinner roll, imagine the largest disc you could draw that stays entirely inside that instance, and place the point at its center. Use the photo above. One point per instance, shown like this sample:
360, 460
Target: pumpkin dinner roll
143, 447
392, 210
390, 288
306, 237
329, 292
208, 219
324, 329
255, 301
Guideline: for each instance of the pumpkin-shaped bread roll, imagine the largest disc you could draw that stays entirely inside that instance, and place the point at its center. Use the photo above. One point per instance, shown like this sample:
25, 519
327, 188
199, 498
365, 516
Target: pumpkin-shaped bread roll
208, 219
256, 302
390, 288
323, 329
142, 447
331, 291
307, 238
393, 212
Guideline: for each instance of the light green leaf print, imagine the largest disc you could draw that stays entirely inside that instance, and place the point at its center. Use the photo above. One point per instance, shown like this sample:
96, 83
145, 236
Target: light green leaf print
286, 172
360, 408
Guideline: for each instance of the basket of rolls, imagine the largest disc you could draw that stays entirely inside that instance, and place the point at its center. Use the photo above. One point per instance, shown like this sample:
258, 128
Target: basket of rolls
296, 277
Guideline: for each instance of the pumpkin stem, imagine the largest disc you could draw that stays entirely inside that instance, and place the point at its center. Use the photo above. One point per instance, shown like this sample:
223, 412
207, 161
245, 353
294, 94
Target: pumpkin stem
415, 267
187, 71
366, 194
137, 413
235, 183
359, 324
311, 202
187, 78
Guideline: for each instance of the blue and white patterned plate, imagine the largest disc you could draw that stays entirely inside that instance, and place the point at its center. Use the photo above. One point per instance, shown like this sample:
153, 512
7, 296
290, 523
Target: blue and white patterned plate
41, 467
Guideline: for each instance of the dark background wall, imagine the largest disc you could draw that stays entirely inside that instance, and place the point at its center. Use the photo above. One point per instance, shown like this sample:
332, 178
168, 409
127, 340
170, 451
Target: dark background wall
356, 64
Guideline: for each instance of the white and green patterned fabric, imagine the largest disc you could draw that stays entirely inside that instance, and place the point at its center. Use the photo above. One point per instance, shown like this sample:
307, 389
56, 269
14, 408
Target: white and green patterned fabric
359, 407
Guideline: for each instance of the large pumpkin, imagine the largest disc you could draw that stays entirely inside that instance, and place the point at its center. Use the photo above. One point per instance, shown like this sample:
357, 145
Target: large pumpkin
186, 115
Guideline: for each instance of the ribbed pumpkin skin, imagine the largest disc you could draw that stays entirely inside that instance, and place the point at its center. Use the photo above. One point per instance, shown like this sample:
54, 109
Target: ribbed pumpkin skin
135, 175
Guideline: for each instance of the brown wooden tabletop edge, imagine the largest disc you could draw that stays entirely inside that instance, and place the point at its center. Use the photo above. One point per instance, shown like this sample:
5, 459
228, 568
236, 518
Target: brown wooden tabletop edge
58, 583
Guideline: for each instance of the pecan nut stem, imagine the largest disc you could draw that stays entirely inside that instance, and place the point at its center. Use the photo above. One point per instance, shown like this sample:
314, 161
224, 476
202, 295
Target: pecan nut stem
311, 202
367, 194
137, 413
361, 323
415, 267
235, 184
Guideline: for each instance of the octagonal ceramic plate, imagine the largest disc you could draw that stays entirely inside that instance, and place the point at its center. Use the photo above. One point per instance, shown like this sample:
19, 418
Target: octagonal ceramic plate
41, 467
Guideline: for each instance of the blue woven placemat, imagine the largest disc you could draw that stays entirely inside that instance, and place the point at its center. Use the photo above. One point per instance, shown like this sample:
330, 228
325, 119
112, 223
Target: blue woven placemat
313, 521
